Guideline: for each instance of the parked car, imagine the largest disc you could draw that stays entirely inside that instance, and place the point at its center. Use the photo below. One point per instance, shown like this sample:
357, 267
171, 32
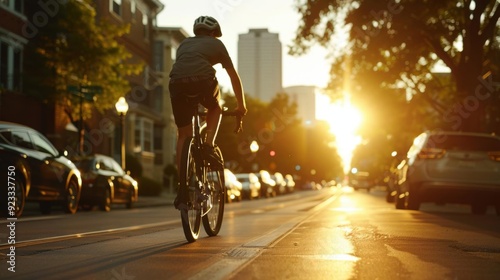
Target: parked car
280, 182
290, 183
38, 172
451, 167
104, 182
233, 186
267, 184
250, 185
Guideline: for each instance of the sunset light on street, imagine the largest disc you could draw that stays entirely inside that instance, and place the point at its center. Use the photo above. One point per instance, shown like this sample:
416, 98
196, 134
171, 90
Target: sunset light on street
344, 120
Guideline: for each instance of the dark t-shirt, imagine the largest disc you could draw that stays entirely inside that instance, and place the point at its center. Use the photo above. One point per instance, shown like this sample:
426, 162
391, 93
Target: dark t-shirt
196, 56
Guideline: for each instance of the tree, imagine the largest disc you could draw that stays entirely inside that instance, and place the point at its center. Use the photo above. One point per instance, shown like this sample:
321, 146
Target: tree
76, 49
284, 143
396, 44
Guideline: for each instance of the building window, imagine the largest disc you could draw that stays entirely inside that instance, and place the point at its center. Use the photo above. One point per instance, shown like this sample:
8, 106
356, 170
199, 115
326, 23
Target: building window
158, 102
10, 66
132, 6
143, 135
16, 5
116, 7
158, 56
145, 25
158, 145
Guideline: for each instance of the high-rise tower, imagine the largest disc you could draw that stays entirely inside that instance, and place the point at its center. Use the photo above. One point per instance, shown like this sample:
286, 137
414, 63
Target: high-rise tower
260, 63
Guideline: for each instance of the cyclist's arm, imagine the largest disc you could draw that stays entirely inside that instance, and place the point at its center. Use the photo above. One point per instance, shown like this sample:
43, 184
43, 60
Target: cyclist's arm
238, 89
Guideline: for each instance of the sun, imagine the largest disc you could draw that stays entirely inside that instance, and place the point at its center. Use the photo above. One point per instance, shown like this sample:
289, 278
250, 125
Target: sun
344, 120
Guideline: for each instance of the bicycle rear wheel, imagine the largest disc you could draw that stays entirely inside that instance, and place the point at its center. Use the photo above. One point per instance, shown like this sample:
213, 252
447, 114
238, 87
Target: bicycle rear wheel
212, 221
191, 215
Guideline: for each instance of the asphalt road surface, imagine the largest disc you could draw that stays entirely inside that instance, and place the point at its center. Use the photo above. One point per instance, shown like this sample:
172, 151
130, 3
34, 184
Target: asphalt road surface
334, 233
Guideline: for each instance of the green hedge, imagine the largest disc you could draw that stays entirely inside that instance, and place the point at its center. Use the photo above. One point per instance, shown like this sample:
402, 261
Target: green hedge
149, 187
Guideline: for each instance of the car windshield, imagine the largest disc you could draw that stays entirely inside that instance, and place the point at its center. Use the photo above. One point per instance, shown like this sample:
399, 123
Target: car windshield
464, 142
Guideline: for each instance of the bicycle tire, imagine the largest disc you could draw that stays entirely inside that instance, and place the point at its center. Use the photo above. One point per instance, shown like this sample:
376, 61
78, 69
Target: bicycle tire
212, 221
191, 215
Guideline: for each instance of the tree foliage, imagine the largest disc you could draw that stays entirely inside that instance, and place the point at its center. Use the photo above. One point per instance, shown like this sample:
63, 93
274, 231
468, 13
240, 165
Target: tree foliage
395, 44
76, 49
285, 144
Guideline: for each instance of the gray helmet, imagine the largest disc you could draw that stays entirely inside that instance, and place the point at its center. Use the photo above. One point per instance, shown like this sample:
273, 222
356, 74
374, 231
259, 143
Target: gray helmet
209, 23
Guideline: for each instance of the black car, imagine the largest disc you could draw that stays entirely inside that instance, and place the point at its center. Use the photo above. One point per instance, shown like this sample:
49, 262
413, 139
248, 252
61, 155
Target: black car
105, 182
36, 171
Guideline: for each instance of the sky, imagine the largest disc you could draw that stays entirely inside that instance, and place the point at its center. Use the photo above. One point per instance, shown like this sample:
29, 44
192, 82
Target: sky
237, 17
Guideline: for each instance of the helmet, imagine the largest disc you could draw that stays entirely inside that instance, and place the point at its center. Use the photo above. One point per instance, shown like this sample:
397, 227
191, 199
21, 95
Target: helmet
206, 22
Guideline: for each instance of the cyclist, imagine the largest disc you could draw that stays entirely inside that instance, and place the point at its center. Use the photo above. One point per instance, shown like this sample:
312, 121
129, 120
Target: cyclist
193, 82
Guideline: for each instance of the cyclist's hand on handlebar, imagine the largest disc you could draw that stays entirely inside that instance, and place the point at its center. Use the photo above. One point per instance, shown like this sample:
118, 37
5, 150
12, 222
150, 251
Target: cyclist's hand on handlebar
241, 110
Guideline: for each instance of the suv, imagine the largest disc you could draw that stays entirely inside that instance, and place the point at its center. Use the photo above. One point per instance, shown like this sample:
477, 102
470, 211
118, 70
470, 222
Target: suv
451, 167
39, 172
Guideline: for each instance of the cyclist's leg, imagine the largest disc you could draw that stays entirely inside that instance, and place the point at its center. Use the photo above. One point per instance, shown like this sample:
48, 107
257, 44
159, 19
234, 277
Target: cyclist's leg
211, 102
183, 113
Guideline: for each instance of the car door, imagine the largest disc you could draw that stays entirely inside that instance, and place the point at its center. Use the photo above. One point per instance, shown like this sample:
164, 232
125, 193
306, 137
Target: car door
53, 171
108, 174
36, 162
123, 185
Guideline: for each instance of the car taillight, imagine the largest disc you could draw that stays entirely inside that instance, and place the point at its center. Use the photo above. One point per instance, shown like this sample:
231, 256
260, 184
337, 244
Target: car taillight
494, 155
431, 153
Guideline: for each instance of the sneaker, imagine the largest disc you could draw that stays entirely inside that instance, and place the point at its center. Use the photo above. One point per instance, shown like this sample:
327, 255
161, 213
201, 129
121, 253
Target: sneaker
212, 157
180, 201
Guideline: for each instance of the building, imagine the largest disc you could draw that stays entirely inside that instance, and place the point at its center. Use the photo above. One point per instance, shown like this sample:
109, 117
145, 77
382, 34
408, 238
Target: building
260, 63
167, 40
145, 120
306, 98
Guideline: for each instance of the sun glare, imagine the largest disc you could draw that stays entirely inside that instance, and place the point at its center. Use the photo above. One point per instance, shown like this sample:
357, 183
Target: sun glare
344, 121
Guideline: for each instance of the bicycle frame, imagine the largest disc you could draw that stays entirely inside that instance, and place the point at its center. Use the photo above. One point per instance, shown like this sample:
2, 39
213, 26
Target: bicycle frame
205, 184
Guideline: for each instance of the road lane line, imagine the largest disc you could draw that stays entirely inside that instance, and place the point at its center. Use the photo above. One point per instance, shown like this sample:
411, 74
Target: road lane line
84, 234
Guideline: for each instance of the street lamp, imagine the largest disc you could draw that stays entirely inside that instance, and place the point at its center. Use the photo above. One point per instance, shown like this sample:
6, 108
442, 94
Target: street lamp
122, 108
254, 148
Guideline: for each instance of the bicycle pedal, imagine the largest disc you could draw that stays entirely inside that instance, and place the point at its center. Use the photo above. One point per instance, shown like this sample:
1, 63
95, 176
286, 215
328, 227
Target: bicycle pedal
200, 196
207, 206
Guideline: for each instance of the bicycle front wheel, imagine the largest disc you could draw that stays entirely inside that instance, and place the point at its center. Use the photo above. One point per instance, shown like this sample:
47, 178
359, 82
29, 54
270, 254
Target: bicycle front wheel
190, 215
212, 221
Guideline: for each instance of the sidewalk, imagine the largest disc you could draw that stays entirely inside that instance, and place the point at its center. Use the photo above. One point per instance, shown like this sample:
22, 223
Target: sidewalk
165, 198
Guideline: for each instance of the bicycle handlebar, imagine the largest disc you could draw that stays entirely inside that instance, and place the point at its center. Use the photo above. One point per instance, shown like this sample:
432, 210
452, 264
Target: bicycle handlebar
239, 118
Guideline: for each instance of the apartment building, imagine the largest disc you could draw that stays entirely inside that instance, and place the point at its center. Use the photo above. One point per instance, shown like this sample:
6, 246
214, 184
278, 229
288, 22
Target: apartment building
147, 118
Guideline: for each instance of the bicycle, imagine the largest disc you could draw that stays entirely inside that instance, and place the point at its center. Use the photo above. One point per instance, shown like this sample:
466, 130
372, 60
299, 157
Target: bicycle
205, 184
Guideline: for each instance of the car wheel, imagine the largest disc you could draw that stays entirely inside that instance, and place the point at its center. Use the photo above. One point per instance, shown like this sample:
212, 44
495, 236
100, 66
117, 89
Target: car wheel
413, 202
389, 197
19, 199
72, 197
400, 200
130, 202
478, 209
105, 204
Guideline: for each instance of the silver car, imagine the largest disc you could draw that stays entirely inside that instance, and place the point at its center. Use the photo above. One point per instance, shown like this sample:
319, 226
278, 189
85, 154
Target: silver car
451, 167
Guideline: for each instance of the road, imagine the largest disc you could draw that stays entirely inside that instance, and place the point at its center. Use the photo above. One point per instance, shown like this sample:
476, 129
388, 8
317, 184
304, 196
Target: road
334, 233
